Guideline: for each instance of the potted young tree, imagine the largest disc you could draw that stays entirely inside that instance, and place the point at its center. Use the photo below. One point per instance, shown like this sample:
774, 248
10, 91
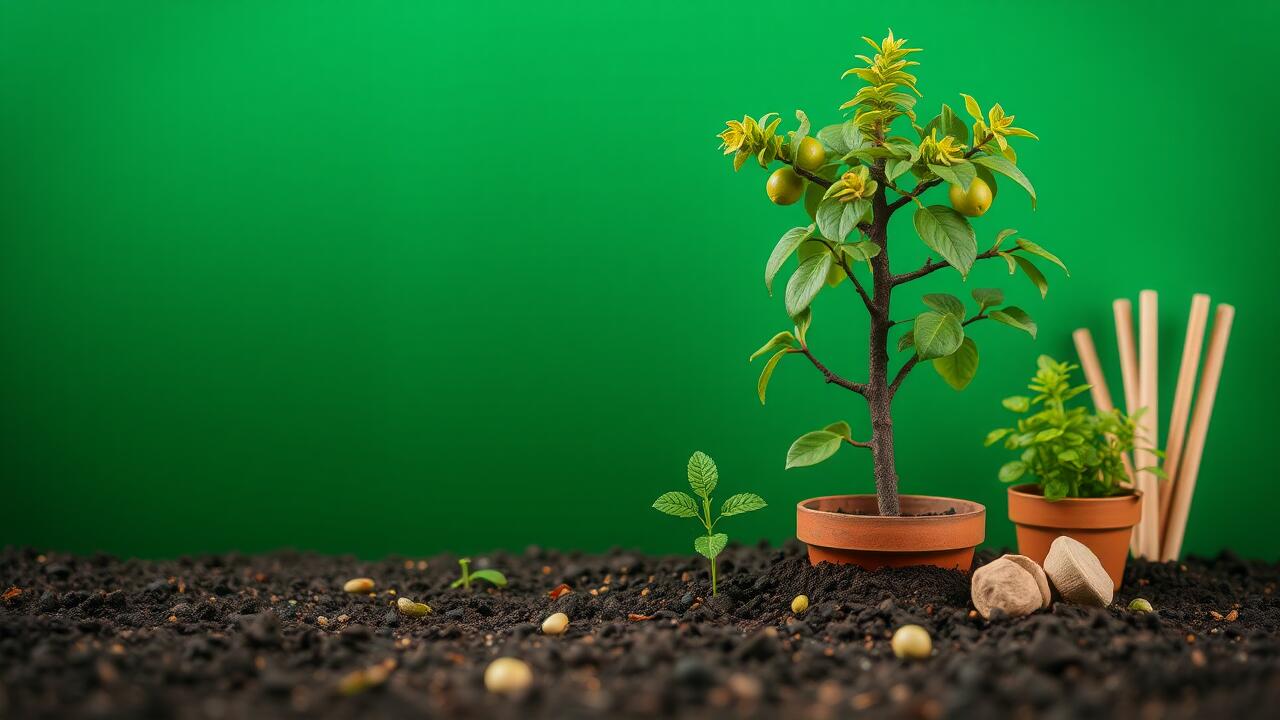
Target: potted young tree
1077, 462
852, 178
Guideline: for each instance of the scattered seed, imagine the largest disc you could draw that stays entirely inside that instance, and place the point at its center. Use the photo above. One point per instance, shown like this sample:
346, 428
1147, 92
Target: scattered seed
343, 617
361, 680
800, 604
507, 675
1217, 615
322, 621
637, 617
555, 624
644, 592
556, 592
11, 594
358, 586
912, 642
411, 608
1141, 605
1233, 615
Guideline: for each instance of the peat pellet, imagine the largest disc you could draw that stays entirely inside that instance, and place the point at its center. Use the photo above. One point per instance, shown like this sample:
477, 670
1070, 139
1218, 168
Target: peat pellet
1005, 586
911, 642
555, 624
1037, 572
358, 585
1077, 574
507, 675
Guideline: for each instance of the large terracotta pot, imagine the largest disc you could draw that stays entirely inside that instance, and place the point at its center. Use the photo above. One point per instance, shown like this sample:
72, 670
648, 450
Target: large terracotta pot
846, 529
1103, 524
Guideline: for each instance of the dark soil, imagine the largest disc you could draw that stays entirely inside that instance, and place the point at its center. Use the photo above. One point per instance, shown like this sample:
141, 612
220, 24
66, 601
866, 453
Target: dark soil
235, 637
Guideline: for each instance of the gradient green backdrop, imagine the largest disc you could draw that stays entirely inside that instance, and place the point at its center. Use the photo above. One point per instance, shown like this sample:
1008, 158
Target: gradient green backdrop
405, 277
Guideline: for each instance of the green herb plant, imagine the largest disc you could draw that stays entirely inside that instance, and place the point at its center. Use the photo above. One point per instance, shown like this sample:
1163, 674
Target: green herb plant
703, 476
468, 575
853, 177
1070, 452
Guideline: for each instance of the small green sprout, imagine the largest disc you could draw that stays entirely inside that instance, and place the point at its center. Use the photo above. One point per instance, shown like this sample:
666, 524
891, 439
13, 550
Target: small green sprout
493, 576
703, 477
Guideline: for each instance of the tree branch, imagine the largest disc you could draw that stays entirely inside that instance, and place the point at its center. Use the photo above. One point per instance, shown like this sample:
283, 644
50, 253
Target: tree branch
843, 262
860, 388
915, 359
816, 179
921, 187
858, 443
929, 266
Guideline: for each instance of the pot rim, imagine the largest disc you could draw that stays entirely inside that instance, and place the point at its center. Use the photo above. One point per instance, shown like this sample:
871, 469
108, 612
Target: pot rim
1028, 508
1128, 495
895, 534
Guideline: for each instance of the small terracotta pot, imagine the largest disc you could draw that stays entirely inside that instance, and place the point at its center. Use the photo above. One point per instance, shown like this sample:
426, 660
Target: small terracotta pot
846, 529
1103, 524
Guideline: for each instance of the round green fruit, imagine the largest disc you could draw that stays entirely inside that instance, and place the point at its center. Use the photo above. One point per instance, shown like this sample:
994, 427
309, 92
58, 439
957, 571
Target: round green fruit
812, 155
973, 203
784, 186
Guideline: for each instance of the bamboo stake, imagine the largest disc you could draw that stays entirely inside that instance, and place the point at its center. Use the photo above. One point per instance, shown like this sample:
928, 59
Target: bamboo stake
1149, 437
1101, 399
1128, 356
1200, 415
1191, 348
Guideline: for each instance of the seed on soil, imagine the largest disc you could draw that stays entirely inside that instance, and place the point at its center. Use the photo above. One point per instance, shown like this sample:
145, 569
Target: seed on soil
1140, 605
1004, 585
912, 642
411, 608
1037, 572
555, 624
322, 621
361, 680
360, 586
800, 604
558, 591
1077, 574
507, 675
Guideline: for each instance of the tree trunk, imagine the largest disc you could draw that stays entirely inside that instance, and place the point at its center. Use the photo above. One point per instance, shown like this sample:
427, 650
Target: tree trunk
879, 396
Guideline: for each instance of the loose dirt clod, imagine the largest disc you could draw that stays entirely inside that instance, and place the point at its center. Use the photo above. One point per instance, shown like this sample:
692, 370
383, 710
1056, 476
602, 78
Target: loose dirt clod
1006, 586
358, 585
1037, 572
800, 604
1077, 574
555, 624
911, 642
507, 675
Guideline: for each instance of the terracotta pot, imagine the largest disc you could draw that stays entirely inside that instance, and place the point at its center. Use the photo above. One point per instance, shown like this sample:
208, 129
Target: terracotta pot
846, 529
1103, 524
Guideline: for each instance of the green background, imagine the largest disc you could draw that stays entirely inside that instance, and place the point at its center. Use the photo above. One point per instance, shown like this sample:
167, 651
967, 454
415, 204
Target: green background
406, 277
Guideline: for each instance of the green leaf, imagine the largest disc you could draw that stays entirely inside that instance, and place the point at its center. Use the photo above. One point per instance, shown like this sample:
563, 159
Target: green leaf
1011, 471
1008, 169
1035, 249
783, 339
801, 133
987, 297
843, 138
742, 503
1015, 317
949, 234
948, 123
1000, 236
1034, 273
861, 251
959, 174
840, 428
790, 240
959, 367
1048, 434
894, 169
837, 219
971, 107
703, 474
812, 448
907, 340
802, 320
710, 547
945, 303
937, 335
994, 436
676, 503
1017, 403
1013, 266
492, 576
806, 281
767, 372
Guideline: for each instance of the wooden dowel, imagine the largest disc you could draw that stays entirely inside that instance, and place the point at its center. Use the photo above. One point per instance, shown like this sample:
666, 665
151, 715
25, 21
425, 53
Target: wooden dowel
1101, 399
1186, 387
1201, 412
1149, 428
1128, 355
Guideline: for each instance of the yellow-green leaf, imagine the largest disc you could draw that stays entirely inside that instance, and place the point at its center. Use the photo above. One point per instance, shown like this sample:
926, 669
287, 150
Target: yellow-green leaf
767, 372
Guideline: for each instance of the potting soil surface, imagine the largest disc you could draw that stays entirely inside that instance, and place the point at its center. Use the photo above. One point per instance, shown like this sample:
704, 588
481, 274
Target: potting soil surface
276, 636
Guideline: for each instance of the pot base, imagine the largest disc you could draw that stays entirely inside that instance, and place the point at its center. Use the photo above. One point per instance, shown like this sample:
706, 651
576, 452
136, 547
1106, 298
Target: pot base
845, 529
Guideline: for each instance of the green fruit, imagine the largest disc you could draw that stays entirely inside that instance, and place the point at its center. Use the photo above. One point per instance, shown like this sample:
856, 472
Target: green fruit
987, 177
812, 155
973, 203
784, 186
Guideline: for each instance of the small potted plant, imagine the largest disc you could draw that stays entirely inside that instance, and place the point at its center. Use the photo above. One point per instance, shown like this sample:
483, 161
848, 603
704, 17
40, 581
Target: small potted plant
1077, 461
854, 176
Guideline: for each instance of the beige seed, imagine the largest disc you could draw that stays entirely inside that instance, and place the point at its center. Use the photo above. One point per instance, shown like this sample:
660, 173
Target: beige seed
507, 675
800, 604
1077, 574
411, 608
912, 642
556, 624
359, 586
